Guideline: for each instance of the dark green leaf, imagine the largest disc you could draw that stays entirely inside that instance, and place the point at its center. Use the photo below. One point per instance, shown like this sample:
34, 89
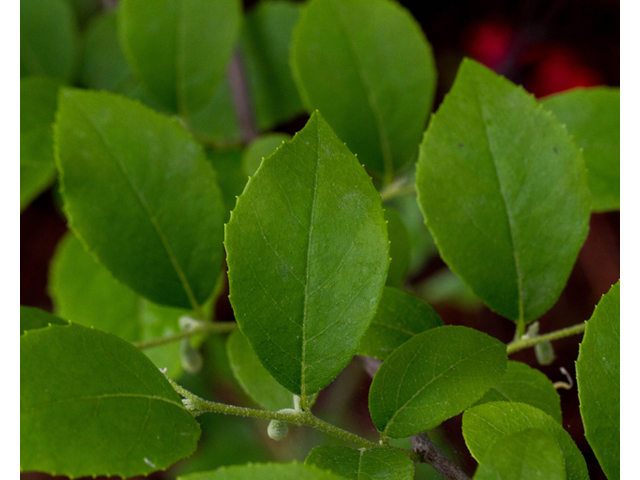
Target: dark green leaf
592, 116
374, 464
432, 377
231, 176
504, 193
400, 248
48, 39
93, 404
38, 103
526, 455
261, 148
265, 471
130, 173
33, 318
265, 40
253, 377
368, 67
598, 376
307, 251
485, 424
399, 317
179, 49
521, 383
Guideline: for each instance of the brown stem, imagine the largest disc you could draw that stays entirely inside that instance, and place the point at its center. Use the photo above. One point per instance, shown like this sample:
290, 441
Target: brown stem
430, 454
242, 99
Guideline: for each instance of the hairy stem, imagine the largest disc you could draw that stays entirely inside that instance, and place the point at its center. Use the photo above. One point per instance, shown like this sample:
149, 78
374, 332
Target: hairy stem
398, 188
202, 328
526, 342
430, 454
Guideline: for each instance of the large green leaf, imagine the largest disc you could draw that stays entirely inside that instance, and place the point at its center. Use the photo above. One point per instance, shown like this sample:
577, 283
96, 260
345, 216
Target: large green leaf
38, 103
592, 116
504, 193
521, 383
526, 455
400, 248
261, 148
265, 471
48, 39
253, 377
484, 425
399, 317
373, 464
432, 377
33, 318
140, 193
179, 49
307, 251
368, 67
93, 404
265, 40
598, 376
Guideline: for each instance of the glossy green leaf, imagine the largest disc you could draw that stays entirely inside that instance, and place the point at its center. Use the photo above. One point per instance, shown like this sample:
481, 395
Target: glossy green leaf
483, 425
399, 317
598, 377
128, 173
48, 39
373, 464
400, 248
265, 41
592, 117
526, 455
432, 377
368, 67
261, 148
93, 404
504, 193
253, 377
521, 383
265, 471
307, 251
179, 49
38, 103
33, 318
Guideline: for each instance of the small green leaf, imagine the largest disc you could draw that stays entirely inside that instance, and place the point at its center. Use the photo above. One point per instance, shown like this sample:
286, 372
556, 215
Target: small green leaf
130, 173
445, 287
598, 377
374, 464
504, 193
400, 248
231, 176
33, 318
432, 377
521, 383
592, 116
483, 425
399, 317
265, 41
93, 404
179, 49
261, 148
368, 67
38, 103
48, 39
307, 266
526, 455
253, 377
265, 471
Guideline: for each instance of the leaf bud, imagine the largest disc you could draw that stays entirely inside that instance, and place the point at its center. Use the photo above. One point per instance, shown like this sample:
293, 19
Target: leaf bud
277, 430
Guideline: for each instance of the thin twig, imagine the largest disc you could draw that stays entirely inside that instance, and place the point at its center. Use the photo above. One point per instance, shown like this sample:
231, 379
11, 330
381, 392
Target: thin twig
242, 99
526, 342
201, 329
430, 454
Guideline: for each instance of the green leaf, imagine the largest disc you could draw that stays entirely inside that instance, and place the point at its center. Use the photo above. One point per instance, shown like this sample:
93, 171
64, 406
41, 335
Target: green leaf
400, 248
526, 455
179, 49
130, 173
38, 103
265, 471
231, 176
93, 404
261, 148
432, 377
253, 377
373, 78
33, 318
504, 193
521, 383
399, 317
48, 39
445, 287
265, 41
598, 377
373, 464
592, 116
483, 425
307, 251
